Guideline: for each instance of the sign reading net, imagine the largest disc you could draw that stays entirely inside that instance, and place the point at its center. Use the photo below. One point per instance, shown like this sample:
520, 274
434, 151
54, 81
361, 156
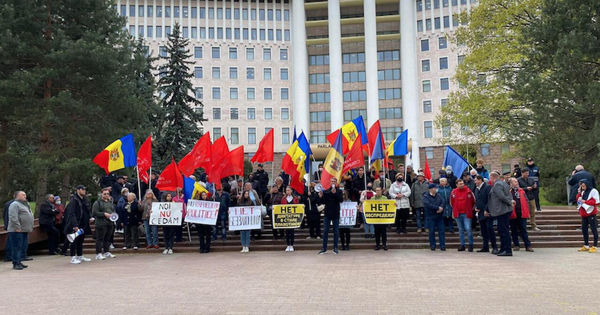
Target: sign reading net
245, 218
287, 216
380, 211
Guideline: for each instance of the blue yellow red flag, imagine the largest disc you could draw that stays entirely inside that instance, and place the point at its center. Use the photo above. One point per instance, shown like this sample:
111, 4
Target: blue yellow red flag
332, 168
117, 155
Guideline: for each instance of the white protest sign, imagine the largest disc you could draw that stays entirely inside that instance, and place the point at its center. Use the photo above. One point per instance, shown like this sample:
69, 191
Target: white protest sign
202, 212
166, 213
245, 218
348, 213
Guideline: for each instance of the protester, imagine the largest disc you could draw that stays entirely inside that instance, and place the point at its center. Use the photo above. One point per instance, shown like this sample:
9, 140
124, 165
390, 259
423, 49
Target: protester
7, 248
410, 176
578, 174
130, 215
366, 195
345, 230
482, 191
122, 201
500, 207
313, 215
433, 205
289, 198
331, 198
274, 198
418, 189
224, 200
359, 183
77, 216
481, 169
20, 223
462, 201
380, 229
529, 185
534, 173
445, 191
246, 200
262, 179
317, 173
587, 199
117, 188
151, 230
400, 191
59, 223
382, 182
519, 216
101, 211
169, 230
178, 197
48, 223
256, 199
516, 173
204, 230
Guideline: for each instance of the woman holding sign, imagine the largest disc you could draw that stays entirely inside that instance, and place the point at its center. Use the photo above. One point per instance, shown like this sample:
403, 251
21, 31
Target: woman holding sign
169, 230
151, 230
289, 198
345, 229
204, 230
246, 200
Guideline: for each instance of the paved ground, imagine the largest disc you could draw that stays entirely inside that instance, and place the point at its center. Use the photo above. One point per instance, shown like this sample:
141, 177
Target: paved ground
548, 281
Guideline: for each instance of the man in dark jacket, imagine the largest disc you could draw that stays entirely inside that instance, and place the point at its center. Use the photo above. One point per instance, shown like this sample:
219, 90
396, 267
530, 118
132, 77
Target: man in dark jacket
534, 173
359, 183
263, 180
578, 174
224, 202
529, 185
47, 223
7, 248
433, 205
117, 187
274, 198
77, 216
500, 205
331, 198
482, 191
313, 216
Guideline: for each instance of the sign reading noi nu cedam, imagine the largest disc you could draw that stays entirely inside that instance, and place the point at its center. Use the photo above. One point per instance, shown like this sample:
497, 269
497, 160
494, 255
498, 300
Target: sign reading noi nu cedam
166, 213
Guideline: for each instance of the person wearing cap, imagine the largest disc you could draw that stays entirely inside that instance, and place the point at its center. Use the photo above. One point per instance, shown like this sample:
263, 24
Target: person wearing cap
262, 179
77, 217
401, 193
578, 174
462, 201
519, 216
587, 199
418, 189
434, 210
534, 173
101, 210
451, 177
529, 186
500, 205
117, 187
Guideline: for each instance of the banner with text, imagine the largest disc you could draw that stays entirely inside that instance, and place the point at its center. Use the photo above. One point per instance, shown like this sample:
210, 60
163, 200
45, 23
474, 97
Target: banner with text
245, 218
166, 213
380, 211
287, 216
348, 213
202, 212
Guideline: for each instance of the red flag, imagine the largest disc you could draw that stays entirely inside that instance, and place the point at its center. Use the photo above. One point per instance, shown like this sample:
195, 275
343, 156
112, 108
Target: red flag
354, 159
144, 159
265, 149
233, 164
427, 171
372, 136
296, 183
170, 179
219, 150
200, 156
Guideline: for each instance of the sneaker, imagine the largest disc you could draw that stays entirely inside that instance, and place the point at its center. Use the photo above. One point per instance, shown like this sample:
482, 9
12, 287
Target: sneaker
385, 247
17, 267
124, 247
318, 237
247, 249
149, 246
322, 252
335, 251
135, 248
156, 246
592, 249
308, 237
583, 249
75, 260
165, 252
243, 250
170, 252
109, 255
529, 249
291, 248
537, 229
100, 257
112, 246
83, 258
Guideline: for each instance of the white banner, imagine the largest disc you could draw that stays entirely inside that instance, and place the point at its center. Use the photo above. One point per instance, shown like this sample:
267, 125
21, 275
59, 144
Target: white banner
348, 213
202, 212
166, 213
245, 218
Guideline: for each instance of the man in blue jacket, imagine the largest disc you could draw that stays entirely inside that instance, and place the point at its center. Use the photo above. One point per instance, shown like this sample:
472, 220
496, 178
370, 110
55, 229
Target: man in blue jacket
433, 206
482, 192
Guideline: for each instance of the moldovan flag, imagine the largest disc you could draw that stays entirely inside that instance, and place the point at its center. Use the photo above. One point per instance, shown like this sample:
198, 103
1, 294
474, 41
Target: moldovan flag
374, 133
170, 179
200, 156
144, 159
192, 189
352, 131
332, 168
354, 159
117, 155
265, 149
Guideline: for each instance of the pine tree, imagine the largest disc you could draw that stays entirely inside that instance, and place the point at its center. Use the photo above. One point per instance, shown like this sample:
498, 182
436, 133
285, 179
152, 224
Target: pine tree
181, 112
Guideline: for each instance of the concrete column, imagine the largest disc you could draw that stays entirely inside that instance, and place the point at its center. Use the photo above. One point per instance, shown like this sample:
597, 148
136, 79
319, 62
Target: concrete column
335, 65
299, 68
410, 86
371, 62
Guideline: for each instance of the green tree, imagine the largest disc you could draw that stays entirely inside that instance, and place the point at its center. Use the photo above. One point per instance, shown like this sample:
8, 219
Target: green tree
181, 112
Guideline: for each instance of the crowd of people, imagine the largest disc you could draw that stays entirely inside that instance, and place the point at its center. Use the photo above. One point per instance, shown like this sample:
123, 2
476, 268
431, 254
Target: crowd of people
497, 203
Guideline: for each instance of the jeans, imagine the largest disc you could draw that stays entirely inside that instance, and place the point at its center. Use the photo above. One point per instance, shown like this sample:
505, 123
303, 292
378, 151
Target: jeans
369, 228
131, 236
53, 233
151, 233
433, 223
592, 223
518, 227
289, 237
103, 233
204, 232
336, 231
169, 235
19, 246
221, 220
314, 226
449, 223
8, 249
464, 226
504, 232
178, 233
245, 236
401, 217
419, 215
381, 234
487, 233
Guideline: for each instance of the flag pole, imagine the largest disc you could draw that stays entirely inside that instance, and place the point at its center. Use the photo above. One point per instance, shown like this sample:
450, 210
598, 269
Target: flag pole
318, 176
273, 171
150, 178
137, 169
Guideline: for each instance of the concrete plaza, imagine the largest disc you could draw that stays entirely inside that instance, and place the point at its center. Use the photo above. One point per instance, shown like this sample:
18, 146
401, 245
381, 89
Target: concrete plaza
549, 281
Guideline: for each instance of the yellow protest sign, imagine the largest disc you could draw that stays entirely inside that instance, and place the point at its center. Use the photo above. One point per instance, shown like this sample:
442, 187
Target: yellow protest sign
380, 211
287, 216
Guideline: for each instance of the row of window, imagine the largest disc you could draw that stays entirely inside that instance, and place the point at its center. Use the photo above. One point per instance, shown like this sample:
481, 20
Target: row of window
444, 85
427, 107
234, 93
234, 135
437, 3
251, 113
352, 58
250, 73
442, 43
193, 12
213, 33
426, 64
437, 23
233, 53
355, 76
356, 95
350, 114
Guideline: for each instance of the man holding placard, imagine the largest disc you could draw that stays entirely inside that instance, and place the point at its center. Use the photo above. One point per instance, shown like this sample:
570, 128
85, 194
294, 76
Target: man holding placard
331, 198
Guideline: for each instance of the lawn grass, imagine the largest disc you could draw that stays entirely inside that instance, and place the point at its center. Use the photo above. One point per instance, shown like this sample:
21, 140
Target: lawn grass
545, 202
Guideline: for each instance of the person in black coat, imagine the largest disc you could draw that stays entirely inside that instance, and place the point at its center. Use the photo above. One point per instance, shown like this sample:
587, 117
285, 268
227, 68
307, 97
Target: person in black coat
482, 193
7, 248
77, 216
313, 216
578, 174
225, 202
331, 198
262, 179
47, 223
131, 217
359, 184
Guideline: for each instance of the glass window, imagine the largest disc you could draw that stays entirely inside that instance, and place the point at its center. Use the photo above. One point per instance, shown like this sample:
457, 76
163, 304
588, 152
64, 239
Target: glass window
285, 135
216, 133
149, 32
199, 93
234, 114
443, 42
283, 73
419, 25
235, 135
444, 84
219, 33
505, 148
167, 11
216, 52
211, 33
424, 44
253, 34
198, 72
228, 33
425, 65
428, 24
461, 59
233, 93
141, 11
286, 15
285, 93
194, 13
436, 4
261, 14
437, 23
443, 102
176, 11
278, 15
244, 14
447, 21
268, 113
233, 73
211, 13
267, 74
123, 10
426, 86
485, 149
220, 13
251, 113
203, 32
216, 72
253, 14
159, 11
236, 33
249, 53
428, 129
236, 14
216, 113
159, 31
250, 73
266, 53
132, 10
283, 54
429, 153
250, 93
216, 93
251, 135
268, 93
427, 106
285, 114
446, 130
419, 5
232, 53
194, 32
228, 13
443, 63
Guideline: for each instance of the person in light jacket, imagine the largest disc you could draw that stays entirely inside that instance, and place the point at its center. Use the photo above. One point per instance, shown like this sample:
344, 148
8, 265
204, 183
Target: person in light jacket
20, 223
400, 191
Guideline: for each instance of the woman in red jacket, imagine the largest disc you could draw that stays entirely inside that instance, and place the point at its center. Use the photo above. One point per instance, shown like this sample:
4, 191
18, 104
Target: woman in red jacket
519, 216
587, 199
289, 198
